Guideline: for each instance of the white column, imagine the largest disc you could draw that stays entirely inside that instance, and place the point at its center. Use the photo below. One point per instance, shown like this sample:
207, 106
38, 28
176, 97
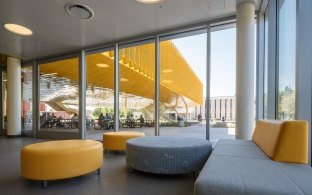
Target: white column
14, 96
245, 40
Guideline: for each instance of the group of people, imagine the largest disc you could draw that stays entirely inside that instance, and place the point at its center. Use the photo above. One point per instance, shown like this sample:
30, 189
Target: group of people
104, 121
131, 121
49, 121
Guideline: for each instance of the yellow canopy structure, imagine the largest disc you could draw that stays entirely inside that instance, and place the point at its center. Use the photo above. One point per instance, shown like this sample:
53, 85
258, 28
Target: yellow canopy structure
137, 72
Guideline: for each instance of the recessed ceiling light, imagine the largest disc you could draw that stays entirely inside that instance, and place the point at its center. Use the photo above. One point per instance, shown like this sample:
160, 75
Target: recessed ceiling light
149, 1
102, 65
167, 71
18, 29
79, 10
123, 79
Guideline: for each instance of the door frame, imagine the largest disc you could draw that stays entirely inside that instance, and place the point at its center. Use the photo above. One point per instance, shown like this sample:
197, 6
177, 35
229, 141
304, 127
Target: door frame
3, 131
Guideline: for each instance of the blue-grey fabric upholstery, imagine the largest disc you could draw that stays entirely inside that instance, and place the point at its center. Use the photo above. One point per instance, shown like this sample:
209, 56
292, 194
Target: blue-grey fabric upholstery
167, 155
240, 167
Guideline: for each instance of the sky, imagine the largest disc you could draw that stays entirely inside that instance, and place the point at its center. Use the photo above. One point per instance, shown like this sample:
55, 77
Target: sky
287, 49
223, 59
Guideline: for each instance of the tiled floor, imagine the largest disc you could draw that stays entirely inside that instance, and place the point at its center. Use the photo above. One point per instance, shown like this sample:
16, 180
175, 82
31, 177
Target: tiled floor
115, 179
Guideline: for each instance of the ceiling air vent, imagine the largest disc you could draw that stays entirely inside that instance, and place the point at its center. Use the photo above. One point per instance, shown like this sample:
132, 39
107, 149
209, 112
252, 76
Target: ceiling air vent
79, 11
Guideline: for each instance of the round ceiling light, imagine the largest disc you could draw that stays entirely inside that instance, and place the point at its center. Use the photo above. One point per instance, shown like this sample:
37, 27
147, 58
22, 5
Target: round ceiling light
102, 65
79, 11
18, 29
149, 1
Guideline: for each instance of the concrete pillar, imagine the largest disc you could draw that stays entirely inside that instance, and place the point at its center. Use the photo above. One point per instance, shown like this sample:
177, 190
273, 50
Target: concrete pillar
14, 96
245, 40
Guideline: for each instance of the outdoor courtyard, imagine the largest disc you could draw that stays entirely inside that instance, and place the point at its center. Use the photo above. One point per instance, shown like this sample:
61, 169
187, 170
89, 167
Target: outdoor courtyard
191, 131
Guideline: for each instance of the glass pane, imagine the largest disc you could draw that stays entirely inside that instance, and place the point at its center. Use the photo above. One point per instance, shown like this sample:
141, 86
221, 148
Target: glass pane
59, 96
287, 60
265, 87
183, 86
223, 84
27, 113
137, 88
100, 93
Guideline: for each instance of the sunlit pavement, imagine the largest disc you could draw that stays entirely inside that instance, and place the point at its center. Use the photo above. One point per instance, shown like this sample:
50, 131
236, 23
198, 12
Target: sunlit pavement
192, 131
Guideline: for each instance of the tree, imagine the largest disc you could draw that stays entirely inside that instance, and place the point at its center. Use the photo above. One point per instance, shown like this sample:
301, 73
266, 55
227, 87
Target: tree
96, 113
286, 107
129, 113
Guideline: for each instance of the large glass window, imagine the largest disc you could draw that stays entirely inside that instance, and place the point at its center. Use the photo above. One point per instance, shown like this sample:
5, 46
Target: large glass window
59, 96
27, 113
223, 84
137, 88
183, 86
100, 93
286, 59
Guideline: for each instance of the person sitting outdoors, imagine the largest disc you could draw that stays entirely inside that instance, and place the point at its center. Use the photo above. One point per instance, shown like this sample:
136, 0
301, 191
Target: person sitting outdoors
42, 119
107, 120
59, 122
131, 121
107, 117
141, 121
48, 121
74, 121
54, 119
101, 120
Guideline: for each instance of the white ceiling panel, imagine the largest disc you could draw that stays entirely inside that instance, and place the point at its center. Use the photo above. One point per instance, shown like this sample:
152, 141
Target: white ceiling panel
57, 32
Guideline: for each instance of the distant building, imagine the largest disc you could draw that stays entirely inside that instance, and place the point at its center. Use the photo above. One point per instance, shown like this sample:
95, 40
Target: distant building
222, 106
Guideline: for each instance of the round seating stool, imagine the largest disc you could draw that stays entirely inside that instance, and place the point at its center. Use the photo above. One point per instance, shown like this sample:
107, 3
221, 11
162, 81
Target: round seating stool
60, 159
167, 155
117, 140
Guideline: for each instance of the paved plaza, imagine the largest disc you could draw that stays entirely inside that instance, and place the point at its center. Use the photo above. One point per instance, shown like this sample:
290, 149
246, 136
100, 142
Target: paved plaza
191, 131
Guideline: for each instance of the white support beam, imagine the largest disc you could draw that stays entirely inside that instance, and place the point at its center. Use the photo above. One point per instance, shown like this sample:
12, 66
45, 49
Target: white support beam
245, 55
14, 109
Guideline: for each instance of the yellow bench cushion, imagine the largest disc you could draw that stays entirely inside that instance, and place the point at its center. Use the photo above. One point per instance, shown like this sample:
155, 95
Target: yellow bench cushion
60, 159
117, 140
284, 141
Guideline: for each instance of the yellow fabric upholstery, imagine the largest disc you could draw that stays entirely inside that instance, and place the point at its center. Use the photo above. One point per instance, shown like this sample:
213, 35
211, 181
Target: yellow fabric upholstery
284, 141
266, 135
60, 159
117, 140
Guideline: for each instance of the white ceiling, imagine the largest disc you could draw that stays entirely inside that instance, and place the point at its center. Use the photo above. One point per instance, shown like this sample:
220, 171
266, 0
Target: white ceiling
57, 32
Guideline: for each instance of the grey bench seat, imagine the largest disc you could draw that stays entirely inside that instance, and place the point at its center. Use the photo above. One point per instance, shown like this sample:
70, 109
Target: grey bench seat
240, 167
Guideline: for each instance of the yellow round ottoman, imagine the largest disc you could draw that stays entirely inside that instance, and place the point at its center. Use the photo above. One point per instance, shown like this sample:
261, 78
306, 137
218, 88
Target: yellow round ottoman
117, 140
61, 159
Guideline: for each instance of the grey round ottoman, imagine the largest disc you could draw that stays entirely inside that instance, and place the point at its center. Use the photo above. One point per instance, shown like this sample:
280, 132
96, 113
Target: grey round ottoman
167, 155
